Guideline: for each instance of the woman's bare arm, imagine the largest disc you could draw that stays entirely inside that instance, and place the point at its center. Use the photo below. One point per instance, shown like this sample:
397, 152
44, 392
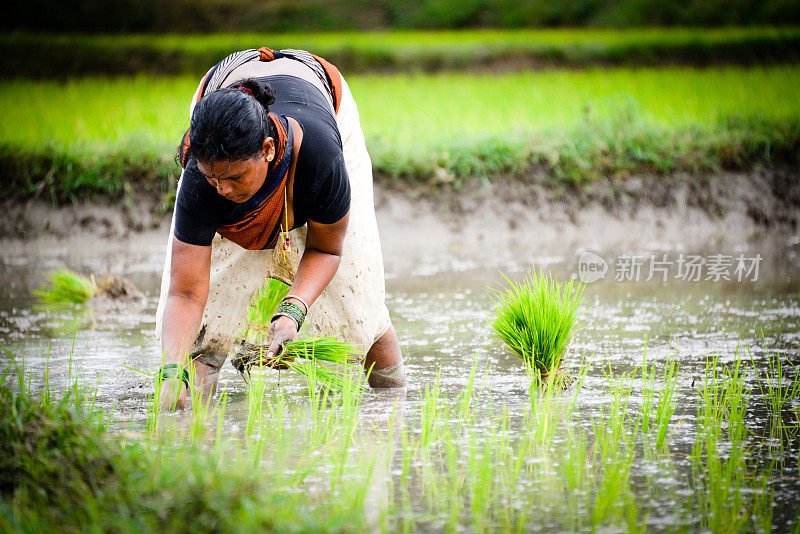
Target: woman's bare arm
317, 267
183, 312
186, 299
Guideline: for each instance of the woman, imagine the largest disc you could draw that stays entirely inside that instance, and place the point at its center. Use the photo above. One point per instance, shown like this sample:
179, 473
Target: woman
277, 183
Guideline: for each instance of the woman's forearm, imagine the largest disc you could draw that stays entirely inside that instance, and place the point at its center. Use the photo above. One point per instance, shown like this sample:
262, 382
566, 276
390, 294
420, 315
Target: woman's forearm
314, 273
182, 317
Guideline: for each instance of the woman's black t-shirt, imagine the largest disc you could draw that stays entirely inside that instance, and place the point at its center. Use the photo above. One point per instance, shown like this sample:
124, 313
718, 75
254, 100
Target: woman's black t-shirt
321, 191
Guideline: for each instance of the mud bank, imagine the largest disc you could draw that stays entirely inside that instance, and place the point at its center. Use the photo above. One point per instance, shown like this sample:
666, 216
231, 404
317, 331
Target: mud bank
486, 219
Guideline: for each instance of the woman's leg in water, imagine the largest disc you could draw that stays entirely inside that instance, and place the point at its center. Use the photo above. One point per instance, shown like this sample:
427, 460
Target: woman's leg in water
384, 362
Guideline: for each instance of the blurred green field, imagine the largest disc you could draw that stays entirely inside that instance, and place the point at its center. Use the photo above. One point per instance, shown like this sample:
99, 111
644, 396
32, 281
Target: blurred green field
74, 55
412, 113
645, 120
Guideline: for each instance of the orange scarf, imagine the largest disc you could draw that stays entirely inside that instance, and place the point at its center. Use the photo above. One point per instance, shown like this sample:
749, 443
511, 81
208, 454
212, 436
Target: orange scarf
260, 227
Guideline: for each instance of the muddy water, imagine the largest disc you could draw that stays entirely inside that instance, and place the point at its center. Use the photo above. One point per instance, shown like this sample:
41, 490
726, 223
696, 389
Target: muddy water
440, 308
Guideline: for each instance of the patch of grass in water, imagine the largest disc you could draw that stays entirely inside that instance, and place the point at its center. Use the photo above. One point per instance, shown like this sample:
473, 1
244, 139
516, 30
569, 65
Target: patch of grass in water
535, 319
65, 286
62, 466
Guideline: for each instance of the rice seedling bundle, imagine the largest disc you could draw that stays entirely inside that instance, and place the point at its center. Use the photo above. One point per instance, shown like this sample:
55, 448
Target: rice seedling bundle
304, 356
65, 286
535, 319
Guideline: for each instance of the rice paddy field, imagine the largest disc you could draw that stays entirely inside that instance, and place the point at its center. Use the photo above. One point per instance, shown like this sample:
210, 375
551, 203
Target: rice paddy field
682, 415
665, 405
96, 133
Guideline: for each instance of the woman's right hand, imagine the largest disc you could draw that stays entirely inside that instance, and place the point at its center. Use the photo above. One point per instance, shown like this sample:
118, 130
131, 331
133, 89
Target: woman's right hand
281, 331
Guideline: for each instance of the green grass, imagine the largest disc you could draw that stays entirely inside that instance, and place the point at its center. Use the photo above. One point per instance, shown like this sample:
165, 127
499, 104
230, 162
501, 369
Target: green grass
535, 319
353, 52
116, 138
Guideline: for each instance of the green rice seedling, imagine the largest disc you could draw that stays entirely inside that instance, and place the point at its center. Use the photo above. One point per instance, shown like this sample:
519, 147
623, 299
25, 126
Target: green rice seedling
455, 482
648, 392
464, 411
263, 306
319, 410
778, 387
66, 286
304, 356
315, 351
510, 457
535, 319
665, 407
543, 412
222, 405
763, 503
480, 479
351, 396
615, 453
202, 407
255, 403
432, 406
572, 467
274, 412
719, 462
576, 386
620, 385
97, 479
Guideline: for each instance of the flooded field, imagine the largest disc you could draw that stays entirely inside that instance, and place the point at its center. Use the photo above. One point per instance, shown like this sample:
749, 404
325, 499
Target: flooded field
470, 446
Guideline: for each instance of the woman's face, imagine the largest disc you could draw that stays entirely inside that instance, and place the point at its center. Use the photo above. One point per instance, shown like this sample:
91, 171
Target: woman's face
239, 180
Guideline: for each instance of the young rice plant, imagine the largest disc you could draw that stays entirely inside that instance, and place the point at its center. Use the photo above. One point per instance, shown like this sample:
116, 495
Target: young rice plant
303, 356
535, 319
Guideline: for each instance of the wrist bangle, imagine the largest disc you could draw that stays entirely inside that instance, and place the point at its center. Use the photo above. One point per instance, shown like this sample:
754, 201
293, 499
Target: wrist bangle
292, 310
302, 301
171, 370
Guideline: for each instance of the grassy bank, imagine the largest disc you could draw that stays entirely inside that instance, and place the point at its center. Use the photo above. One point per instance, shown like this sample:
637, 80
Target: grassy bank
353, 52
96, 136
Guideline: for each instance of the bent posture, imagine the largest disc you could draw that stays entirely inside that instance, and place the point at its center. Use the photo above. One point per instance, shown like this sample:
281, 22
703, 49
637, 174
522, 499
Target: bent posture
277, 182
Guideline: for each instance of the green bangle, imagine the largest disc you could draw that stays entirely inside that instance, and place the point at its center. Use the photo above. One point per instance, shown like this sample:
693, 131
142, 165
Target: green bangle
170, 370
291, 310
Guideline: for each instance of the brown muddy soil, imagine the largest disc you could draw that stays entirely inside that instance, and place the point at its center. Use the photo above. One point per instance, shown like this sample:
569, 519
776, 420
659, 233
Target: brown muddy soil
728, 208
486, 217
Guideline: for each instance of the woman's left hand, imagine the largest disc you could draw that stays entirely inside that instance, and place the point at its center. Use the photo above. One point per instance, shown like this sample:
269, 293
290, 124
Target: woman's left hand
281, 331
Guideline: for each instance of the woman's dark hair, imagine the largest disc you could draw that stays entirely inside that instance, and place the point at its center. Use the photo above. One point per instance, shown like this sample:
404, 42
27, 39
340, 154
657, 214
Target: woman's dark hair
232, 123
